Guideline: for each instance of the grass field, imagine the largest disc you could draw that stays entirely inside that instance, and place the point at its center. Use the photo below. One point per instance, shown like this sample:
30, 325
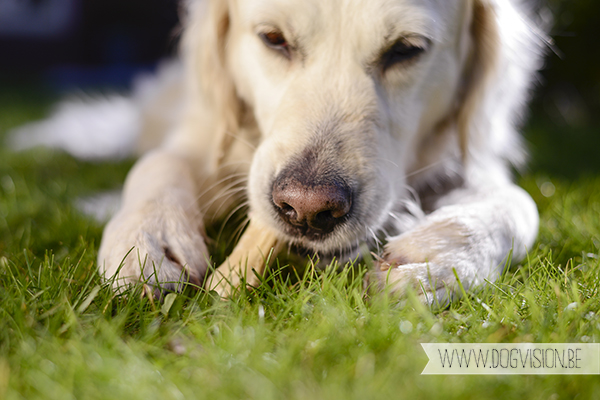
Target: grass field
65, 335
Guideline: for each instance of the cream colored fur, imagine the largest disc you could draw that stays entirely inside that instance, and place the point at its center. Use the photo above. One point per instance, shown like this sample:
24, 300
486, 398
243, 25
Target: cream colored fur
429, 143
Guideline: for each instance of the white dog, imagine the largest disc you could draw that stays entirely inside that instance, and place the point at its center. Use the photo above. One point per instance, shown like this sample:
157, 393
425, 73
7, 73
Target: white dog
340, 123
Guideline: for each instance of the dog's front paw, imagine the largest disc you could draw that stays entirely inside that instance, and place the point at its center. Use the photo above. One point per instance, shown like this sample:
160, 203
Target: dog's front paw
433, 284
160, 244
425, 260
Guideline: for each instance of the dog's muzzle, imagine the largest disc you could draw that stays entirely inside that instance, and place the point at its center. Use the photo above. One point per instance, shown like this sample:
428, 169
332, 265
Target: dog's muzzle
311, 208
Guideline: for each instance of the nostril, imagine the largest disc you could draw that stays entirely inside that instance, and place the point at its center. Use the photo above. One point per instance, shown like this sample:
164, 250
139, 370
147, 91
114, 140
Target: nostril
285, 207
323, 221
290, 213
316, 208
324, 215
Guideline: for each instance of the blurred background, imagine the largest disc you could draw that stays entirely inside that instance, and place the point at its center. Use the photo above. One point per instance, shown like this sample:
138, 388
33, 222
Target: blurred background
49, 47
85, 43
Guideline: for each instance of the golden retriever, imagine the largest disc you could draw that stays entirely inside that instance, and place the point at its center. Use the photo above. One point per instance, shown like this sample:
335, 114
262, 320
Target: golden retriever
340, 124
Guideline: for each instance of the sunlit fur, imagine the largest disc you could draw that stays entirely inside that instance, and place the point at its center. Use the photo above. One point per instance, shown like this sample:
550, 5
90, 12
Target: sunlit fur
427, 144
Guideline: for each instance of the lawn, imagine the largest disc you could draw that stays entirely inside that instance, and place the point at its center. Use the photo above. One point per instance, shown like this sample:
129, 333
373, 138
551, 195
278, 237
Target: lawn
304, 334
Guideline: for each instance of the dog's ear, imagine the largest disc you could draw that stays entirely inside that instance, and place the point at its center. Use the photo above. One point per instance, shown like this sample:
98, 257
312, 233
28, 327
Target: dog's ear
206, 37
479, 70
505, 52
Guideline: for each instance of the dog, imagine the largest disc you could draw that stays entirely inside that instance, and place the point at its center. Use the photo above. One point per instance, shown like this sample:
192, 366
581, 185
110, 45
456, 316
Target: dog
340, 124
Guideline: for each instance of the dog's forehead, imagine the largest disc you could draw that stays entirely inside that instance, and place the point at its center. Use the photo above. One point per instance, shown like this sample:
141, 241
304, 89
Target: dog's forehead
365, 18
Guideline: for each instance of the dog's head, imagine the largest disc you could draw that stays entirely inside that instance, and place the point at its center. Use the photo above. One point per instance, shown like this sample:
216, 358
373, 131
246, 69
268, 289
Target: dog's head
353, 97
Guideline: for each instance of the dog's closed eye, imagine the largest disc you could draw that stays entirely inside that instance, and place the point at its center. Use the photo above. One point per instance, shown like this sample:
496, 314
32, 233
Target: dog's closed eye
402, 51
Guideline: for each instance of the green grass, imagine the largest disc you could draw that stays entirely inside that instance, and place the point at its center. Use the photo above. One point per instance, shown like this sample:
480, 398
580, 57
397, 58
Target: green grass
64, 334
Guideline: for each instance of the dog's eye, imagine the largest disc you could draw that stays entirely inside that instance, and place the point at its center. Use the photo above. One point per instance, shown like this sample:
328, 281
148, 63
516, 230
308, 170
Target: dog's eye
276, 41
402, 52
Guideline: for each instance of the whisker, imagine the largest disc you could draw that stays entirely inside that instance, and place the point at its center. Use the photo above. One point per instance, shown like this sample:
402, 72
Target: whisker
375, 238
428, 167
224, 195
225, 177
377, 257
237, 233
394, 216
243, 178
413, 193
241, 140
384, 231
229, 216
224, 199
391, 162
234, 185
240, 229
232, 163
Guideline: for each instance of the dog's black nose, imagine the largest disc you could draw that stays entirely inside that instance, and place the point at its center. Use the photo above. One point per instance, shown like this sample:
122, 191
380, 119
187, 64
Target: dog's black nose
311, 209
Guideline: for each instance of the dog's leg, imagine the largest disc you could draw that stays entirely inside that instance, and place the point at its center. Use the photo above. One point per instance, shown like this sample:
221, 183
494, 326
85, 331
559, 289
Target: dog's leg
159, 227
470, 235
249, 258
